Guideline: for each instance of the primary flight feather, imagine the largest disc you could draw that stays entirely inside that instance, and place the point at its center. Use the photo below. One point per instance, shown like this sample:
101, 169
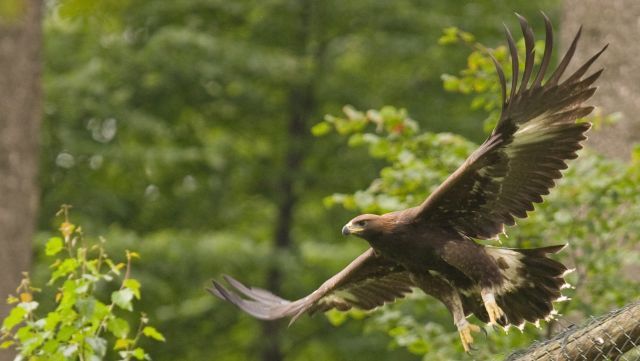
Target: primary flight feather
432, 247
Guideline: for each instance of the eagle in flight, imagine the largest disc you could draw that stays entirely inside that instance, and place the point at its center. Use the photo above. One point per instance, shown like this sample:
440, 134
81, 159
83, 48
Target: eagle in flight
433, 246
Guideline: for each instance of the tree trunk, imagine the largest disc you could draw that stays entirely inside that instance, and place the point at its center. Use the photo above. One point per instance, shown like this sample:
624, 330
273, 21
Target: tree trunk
20, 111
301, 107
302, 103
616, 22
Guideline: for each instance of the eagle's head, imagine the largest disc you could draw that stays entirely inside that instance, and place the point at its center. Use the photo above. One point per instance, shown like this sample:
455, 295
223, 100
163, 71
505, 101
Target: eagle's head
367, 226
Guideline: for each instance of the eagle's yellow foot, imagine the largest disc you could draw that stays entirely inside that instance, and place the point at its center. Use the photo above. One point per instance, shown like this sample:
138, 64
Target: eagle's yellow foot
465, 330
494, 311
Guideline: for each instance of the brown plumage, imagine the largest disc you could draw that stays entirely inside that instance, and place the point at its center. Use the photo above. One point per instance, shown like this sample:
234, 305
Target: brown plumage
432, 247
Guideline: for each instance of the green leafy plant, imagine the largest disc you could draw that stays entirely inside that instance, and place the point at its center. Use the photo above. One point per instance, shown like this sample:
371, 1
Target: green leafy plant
81, 325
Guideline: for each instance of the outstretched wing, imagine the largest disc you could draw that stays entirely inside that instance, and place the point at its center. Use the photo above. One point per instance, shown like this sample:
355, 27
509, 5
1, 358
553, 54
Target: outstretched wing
536, 134
371, 280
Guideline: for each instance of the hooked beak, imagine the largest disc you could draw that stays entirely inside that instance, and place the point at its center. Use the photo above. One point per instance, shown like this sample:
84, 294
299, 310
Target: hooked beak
353, 229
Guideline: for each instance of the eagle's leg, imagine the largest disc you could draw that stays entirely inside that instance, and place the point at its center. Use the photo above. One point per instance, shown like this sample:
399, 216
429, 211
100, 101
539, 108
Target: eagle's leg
490, 304
443, 291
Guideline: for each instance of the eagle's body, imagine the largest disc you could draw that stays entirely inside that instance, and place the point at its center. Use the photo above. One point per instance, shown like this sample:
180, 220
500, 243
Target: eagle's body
420, 249
495, 284
433, 246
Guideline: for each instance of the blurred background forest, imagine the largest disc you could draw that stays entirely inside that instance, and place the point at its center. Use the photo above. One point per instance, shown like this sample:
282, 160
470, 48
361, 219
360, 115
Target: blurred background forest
183, 130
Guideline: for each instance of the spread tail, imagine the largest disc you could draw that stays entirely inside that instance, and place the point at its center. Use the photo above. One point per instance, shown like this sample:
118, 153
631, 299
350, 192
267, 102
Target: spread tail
531, 283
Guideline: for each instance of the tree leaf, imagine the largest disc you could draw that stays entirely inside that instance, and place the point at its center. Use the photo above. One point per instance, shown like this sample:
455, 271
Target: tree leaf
321, 129
54, 246
70, 350
65, 333
122, 344
85, 307
122, 299
418, 347
6, 344
336, 318
15, 317
98, 344
118, 327
134, 286
52, 320
153, 333
67, 266
114, 268
138, 353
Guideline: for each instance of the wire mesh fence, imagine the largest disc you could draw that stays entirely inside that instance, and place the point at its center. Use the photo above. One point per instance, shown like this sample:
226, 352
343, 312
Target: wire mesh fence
614, 336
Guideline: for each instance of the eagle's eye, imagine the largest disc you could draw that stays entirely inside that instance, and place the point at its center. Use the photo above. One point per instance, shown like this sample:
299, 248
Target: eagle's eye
361, 223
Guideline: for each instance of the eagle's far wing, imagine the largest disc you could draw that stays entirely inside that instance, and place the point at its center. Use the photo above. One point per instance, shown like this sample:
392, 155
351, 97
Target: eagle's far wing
518, 163
371, 280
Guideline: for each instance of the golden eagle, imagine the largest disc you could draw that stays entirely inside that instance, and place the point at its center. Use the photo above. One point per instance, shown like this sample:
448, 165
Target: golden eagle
432, 246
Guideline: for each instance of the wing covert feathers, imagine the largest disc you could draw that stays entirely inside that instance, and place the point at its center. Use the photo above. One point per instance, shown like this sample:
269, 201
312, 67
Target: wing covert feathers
519, 162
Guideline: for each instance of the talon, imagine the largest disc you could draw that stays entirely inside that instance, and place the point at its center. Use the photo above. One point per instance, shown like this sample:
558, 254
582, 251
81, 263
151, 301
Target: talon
486, 334
465, 331
494, 311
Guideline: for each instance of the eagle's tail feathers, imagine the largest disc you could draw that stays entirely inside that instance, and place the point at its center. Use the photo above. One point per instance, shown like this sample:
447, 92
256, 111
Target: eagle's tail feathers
531, 283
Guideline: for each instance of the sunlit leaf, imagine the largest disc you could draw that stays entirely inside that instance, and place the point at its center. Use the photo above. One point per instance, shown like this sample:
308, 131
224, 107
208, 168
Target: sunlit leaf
153, 333
54, 246
67, 266
134, 286
321, 129
122, 344
138, 353
15, 317
6, 344
336, 317
52, 320
122, 299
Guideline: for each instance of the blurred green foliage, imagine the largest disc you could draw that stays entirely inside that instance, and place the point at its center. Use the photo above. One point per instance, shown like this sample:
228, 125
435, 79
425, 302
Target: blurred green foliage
166, 129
